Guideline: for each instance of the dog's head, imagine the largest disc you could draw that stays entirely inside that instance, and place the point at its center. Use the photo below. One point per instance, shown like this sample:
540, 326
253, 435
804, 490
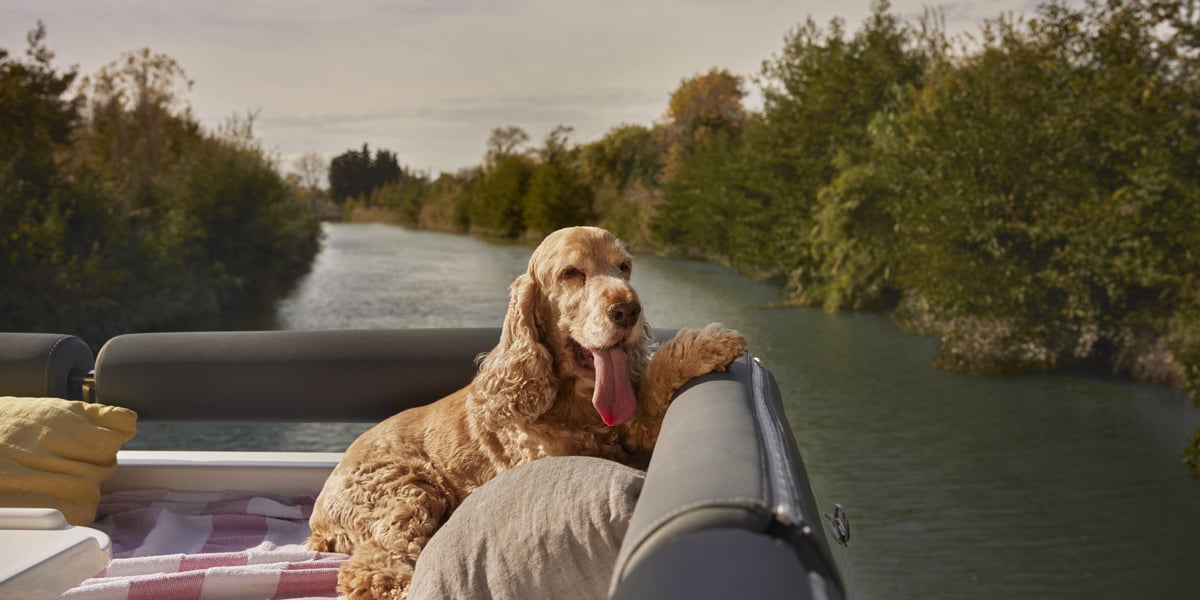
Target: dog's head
574, 317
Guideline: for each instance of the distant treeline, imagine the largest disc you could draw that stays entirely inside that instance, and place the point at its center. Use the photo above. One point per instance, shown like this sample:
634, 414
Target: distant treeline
1030, 194
118, 212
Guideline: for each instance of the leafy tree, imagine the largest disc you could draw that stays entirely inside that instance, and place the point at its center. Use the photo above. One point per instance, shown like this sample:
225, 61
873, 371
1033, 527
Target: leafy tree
138, 123
820, 94
502, 143
257, 234
355, 174
852, 235
853, 240
1050, 187
447, 201
557, 195
706, 104
702, 107
497, 204
761, 176
627, 154
705, 119
349, 174
36, 120
404, 198
138, 129
310, 170
624, 170
120, 213
385, 169
698, 202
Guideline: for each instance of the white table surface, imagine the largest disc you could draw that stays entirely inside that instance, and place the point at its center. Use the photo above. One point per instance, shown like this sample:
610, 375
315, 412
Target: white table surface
42, 556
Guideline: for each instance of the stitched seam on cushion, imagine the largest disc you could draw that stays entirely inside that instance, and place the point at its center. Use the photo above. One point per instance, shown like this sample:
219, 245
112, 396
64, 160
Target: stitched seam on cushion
49, 360
762, 436
785, 498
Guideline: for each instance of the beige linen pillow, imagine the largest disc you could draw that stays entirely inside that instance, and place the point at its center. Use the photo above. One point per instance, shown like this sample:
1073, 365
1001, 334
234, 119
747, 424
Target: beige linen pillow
54, 453
547, 529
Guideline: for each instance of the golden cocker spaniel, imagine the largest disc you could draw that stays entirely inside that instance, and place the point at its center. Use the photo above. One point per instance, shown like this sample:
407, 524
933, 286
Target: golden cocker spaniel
575, 373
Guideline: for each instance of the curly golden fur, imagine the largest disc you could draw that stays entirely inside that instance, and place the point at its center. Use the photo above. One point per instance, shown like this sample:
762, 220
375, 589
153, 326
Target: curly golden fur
572, 314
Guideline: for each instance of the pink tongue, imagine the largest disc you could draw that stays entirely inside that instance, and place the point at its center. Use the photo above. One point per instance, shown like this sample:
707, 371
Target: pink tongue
613, 397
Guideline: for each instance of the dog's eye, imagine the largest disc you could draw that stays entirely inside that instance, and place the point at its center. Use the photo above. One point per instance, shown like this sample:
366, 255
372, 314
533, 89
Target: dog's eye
572, 272
626, 267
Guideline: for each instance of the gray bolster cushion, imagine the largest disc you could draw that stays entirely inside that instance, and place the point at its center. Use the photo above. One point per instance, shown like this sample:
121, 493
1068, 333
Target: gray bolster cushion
313, 376
332, 375
43, 364
731, 424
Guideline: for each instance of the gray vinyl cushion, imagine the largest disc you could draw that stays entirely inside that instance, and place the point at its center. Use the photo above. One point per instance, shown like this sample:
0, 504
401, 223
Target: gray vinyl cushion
720, 563
42, 364
334, 375
328, 375
726, 461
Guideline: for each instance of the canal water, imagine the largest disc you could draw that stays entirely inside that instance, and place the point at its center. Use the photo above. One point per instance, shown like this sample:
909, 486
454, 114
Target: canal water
958, 486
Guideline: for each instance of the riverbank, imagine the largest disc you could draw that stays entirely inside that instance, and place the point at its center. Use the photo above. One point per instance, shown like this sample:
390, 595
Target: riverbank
968, 345
996, 345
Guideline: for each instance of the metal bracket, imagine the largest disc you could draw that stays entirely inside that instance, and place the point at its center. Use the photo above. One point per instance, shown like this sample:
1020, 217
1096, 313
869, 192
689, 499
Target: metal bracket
841, 524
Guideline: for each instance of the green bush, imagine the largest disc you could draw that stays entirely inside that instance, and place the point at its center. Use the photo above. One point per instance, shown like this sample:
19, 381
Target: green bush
133, 216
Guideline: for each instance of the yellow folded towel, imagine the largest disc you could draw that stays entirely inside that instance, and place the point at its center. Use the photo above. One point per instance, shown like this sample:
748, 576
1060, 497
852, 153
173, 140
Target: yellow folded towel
55, 453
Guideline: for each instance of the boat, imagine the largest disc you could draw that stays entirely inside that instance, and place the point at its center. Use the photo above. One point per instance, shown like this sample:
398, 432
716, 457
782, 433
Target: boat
726, 509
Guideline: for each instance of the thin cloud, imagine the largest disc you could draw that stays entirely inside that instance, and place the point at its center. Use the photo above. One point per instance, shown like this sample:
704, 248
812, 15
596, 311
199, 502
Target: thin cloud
429, 79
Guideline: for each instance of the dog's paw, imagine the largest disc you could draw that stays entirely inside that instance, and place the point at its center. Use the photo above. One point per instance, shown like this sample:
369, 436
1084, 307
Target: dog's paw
713, 348
368, 581
688, 355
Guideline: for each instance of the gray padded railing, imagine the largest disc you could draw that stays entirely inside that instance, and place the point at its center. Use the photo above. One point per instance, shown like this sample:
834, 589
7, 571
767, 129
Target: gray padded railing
314, 376
43, 364
330, 375
726, 475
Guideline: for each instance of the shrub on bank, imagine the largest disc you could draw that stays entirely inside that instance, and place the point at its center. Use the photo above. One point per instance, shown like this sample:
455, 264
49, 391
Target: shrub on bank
124, 214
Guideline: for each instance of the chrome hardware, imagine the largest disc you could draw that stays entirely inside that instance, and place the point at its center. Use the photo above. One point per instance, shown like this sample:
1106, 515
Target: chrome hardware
841, 524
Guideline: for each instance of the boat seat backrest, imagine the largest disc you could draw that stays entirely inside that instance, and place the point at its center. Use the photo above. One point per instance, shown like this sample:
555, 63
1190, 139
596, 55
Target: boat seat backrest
313, 376
301, 376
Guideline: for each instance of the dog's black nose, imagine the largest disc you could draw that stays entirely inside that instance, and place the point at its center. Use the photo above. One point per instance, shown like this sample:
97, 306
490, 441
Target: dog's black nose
625, 314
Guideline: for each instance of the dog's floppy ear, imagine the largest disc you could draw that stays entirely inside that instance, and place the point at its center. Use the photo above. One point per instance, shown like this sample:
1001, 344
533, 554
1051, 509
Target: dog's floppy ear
516, 380
639, 354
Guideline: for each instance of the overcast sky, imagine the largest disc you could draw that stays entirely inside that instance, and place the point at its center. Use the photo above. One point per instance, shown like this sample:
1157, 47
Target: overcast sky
429, 79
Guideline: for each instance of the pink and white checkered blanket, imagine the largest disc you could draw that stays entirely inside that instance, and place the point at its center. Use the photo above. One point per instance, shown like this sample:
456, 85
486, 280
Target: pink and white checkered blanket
208, 545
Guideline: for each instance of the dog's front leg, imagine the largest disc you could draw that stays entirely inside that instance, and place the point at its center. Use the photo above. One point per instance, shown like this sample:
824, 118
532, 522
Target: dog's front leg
690, 354
405, 516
